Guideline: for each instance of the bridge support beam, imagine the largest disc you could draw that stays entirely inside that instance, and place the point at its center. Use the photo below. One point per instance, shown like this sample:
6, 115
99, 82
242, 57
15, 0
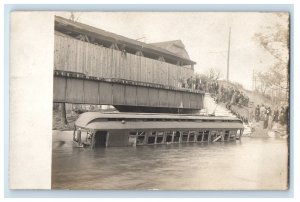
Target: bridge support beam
136, 98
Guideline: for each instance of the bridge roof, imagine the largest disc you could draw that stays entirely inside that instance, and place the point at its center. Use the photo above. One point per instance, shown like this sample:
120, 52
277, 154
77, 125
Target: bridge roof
63, 24
93, 119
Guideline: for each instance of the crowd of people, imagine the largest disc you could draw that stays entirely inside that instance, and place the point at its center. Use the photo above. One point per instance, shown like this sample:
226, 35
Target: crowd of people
228, 95
194, 83
233, 96
269, 116
222, 93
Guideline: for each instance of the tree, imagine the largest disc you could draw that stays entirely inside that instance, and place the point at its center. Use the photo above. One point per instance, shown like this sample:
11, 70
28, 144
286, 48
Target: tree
275, 40
64, 120
213, 74
73, 17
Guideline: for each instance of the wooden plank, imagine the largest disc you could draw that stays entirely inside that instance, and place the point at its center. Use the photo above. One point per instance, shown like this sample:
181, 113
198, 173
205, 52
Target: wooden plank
128, 68
130, 95
59, 89
163, 98
144, 71
171, 99
109, 63
79, 57
138, 65
74, 91
118, 92
104, 63
99, 55
96, 58
155, 71
193, 101
90, 92
151, 71
186, 100
153, 97
63, 54
93, 65
56, 52
135, 67
105, 93
73, 56
142, 96
178, 99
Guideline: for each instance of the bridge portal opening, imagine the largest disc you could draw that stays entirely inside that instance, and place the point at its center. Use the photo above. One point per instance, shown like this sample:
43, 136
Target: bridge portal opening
100, 139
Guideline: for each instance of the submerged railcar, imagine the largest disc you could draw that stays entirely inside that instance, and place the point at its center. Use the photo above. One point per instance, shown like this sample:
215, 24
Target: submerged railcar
95, 129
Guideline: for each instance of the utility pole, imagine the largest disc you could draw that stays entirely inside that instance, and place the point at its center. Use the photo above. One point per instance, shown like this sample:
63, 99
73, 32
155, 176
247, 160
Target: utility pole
228, 54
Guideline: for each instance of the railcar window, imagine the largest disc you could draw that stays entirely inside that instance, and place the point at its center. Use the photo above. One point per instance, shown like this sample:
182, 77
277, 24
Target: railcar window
159, 137
192, 136
132, 133
176, 136
151, 137
169, 135
226, 135
232, 134
184, 136
151, 140
213, 135
140, 139
200, 136
205, 136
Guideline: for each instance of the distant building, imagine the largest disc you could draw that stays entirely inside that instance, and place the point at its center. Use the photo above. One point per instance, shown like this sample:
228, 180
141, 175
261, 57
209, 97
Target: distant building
176, 47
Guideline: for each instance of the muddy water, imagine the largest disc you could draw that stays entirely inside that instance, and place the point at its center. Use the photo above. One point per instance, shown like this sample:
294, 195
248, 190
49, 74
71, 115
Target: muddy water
253, 163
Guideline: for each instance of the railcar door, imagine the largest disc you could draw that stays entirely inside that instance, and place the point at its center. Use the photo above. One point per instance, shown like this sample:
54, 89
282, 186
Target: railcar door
100, 138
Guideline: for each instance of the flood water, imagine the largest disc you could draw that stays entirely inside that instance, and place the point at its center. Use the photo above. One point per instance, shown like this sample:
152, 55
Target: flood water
249, 164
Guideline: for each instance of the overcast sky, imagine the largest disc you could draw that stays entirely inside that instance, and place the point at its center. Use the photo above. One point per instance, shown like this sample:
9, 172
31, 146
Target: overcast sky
205, 36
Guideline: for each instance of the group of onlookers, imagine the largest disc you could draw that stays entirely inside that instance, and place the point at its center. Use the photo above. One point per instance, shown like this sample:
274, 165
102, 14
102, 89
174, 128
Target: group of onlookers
194, 83
269, 116
233, 96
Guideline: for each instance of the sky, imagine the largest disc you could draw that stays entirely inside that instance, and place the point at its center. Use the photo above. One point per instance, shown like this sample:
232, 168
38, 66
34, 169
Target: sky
204, 34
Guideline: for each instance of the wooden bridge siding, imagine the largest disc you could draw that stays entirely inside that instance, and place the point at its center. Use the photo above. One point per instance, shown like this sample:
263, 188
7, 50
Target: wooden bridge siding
130, 95
105, 93
163, 98
75, 90
93, 60
153, 97
91, 92
186, 100
178, 99
72, 90
142, 96
118, 94
59, 89
171, 99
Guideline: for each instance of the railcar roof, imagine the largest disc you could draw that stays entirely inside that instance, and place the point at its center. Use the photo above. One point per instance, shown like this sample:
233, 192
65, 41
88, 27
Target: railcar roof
162, 125
88, 117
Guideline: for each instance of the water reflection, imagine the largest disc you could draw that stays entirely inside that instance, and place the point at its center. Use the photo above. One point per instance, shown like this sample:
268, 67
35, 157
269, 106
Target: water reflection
253, 163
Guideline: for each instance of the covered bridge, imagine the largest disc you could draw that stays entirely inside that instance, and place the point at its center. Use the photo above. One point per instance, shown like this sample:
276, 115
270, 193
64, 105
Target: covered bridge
93, 66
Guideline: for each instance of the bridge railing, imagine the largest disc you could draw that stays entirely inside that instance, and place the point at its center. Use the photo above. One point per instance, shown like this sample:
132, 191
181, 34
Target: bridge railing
94, 60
